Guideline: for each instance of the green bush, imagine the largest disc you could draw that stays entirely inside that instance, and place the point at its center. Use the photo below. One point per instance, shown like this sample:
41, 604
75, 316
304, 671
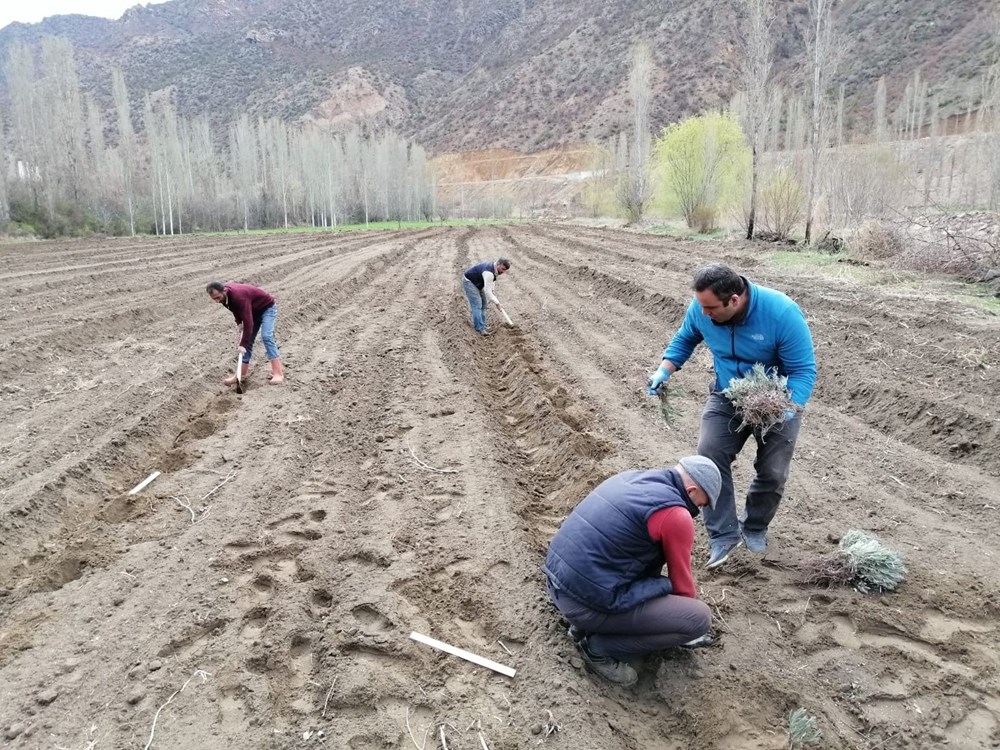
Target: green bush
701, 165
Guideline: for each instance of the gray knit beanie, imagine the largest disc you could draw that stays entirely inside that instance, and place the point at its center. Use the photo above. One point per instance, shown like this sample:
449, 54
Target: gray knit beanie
705, 474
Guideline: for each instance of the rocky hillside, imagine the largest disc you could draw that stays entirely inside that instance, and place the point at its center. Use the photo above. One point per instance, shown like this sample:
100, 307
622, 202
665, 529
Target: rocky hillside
472, 74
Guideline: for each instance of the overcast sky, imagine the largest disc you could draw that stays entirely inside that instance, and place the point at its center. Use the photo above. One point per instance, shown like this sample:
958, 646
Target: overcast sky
33, 11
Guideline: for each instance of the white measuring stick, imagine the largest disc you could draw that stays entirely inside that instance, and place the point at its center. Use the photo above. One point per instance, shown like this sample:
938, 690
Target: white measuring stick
507, 318
463, 654
139, 487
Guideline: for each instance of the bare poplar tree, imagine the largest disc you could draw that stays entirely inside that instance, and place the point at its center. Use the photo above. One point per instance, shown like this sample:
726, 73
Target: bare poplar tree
244, 161
29, 155
4, 199
879, 129
64, 121
821, 50
757, 42
126, 143
635, 190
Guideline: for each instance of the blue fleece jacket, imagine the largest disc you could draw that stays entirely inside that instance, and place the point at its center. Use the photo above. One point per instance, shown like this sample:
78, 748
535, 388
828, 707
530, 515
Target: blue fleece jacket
773, 332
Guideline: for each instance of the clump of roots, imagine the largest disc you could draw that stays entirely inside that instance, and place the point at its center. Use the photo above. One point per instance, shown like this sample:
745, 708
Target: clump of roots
761, 399
861, 561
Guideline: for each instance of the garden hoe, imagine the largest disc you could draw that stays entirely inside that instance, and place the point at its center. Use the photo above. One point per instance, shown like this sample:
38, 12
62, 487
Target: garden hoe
239, 371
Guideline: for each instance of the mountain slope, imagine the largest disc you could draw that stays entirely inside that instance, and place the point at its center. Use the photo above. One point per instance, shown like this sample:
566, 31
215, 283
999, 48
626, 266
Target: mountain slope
492, 73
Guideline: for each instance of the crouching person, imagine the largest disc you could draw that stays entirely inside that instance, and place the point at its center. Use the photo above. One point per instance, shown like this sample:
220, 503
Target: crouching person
604, 567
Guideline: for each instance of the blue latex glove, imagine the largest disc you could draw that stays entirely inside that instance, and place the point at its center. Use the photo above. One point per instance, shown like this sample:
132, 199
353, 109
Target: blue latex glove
790, 415
656, 380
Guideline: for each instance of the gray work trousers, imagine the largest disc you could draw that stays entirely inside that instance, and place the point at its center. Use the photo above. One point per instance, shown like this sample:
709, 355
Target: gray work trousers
654, 625
721, 441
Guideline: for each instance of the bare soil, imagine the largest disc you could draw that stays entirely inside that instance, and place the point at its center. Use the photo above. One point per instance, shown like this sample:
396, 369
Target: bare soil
408, 475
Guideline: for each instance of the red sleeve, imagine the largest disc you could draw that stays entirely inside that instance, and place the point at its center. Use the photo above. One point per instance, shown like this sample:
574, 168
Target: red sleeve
673, 528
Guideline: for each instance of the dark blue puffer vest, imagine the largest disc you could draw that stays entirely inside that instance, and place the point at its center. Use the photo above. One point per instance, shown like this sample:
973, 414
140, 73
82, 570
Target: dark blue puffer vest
475, 274
602, 554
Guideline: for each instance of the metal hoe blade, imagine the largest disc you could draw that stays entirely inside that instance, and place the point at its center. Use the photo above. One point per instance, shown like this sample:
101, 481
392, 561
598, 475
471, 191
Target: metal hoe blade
239, 372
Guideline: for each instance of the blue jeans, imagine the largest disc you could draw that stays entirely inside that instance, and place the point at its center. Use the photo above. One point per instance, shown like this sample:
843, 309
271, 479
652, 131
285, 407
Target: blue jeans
264, 325
721, 441
477, 304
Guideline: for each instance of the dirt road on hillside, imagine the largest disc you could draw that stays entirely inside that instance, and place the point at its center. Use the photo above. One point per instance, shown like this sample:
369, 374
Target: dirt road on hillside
408, 476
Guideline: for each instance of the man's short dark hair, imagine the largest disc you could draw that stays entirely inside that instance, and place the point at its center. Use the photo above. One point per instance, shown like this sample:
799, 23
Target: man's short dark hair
722, 280
215, 286
503, 262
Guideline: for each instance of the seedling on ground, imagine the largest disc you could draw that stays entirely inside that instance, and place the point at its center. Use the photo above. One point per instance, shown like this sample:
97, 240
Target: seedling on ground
802, 729
861, 561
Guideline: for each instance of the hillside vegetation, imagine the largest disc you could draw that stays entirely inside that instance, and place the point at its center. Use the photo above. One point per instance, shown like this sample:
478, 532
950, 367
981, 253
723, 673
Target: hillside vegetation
504, 73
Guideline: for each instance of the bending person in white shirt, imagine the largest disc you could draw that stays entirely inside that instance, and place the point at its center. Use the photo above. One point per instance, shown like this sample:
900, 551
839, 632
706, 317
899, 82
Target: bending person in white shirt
478, 283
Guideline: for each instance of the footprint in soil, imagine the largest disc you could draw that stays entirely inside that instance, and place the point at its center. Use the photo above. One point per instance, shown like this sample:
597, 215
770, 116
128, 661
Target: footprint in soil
371, 620
300, 657
254, 623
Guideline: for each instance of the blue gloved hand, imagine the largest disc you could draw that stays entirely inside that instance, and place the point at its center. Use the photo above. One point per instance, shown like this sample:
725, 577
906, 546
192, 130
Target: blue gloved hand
656, 381
790, 415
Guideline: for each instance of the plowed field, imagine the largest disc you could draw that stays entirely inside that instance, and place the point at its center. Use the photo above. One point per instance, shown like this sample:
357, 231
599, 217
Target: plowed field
408, 475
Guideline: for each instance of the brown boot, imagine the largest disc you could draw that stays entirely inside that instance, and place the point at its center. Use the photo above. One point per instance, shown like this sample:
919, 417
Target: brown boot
276, 372
231, 380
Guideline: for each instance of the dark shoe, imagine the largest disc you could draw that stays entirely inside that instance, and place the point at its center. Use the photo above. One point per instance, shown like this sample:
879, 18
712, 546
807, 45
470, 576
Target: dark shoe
612, 670
756, 541
720, 553
700, 642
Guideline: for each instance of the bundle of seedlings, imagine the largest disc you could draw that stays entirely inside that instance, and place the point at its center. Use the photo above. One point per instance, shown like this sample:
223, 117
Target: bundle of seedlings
861, 561
761, 399
668, 412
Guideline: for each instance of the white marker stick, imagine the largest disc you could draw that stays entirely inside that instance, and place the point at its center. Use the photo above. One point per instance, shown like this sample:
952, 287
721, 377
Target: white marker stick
139, 487
507, 318
463, 654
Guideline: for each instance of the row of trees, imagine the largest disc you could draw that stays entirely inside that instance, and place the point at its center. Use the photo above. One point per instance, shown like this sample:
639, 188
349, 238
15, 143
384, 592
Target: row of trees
67, 166
790, 155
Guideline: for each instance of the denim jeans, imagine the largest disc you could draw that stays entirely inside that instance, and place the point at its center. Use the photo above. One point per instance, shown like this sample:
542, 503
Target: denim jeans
721, 441
655, 625
264, 325
477, 304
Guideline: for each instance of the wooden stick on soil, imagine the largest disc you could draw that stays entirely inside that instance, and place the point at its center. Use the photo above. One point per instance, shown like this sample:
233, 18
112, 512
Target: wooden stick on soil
139, 487
463, 654
444, 743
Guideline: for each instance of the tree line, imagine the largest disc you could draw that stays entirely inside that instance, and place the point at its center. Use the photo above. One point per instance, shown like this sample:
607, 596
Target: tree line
777, 160
68, 167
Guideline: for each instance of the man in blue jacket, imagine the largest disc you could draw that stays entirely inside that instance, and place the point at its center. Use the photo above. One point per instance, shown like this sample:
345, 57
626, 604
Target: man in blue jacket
604, 567
743, 324
478, 283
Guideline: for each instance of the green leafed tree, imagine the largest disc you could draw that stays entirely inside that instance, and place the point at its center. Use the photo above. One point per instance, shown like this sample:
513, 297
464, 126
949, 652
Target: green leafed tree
702, 165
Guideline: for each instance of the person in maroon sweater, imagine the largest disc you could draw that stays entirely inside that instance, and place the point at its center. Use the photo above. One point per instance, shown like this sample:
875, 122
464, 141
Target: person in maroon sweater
256, 312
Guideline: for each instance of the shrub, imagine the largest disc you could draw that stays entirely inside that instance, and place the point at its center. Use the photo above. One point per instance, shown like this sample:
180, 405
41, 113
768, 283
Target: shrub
782, 203
701, 162
875, 240
703, 219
